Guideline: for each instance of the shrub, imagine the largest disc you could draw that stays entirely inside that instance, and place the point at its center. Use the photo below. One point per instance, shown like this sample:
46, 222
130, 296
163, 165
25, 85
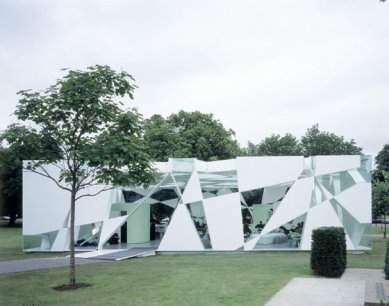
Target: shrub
328, 253
387, 261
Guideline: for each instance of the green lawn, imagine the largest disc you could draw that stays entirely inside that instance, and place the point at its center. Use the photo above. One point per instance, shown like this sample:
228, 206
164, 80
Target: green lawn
187, 279
11, 244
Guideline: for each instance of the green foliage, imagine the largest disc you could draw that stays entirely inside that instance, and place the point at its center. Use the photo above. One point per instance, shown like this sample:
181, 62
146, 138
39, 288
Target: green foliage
189, 134
11, 159
316, 142
380, 197
275, 145
89, 137
382, 163
328, 253
89, 128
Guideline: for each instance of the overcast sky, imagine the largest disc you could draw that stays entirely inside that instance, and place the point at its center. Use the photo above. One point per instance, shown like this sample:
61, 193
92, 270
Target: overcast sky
261, 67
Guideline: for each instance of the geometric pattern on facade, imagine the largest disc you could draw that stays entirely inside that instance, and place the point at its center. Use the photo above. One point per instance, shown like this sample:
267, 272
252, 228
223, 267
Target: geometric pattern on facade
247, 203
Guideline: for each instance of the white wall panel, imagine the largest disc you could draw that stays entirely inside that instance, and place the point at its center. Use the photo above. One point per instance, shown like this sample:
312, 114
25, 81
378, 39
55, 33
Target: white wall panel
222, 165
201, 166
336, 163
45, 206
224, 220
257, 172
61, 242
109, 228
161, 167
92, 209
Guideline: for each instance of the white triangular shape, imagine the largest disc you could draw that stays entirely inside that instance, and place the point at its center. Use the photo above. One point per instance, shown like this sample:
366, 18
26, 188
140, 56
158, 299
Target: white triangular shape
249, 245
61, 242
181, 234
109, 228
192, 192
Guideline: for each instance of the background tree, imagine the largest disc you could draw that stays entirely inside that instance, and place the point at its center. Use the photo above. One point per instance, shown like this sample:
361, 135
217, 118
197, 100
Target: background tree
275, 145
10, 186
382, 163
316, 142
11, 165
96, 141
189, 134
380, 197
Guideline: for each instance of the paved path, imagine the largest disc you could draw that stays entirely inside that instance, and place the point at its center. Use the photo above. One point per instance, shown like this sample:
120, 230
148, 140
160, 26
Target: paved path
320, 292
354, 288
14, 266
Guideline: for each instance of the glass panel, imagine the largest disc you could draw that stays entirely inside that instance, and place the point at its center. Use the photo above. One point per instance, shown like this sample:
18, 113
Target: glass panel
182, 169
131, 196
32, 242
358, 232
365, 170
40, 242
318, 195
164, 194
161, 213
366, 163
218, 183
366, 240
258, 206
287, 236
253, 196
335, 183
183, 164
89, 235
197, 213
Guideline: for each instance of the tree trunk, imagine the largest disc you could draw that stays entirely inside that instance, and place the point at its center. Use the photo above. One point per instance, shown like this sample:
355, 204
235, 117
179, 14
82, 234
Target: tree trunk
72, 265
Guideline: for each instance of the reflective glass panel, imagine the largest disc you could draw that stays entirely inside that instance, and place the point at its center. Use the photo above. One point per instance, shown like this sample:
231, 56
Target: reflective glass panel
218, 183
197, 213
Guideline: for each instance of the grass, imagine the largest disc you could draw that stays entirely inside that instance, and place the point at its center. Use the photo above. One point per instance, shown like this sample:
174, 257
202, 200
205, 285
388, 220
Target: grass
11, 244
185, 279
202, 279
378, 229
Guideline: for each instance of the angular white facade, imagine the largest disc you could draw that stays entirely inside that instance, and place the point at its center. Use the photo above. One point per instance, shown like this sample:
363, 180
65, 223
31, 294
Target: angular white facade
247, 203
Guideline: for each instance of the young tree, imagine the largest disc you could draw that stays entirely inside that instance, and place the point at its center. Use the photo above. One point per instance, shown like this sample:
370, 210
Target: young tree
189, 134
96, 141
